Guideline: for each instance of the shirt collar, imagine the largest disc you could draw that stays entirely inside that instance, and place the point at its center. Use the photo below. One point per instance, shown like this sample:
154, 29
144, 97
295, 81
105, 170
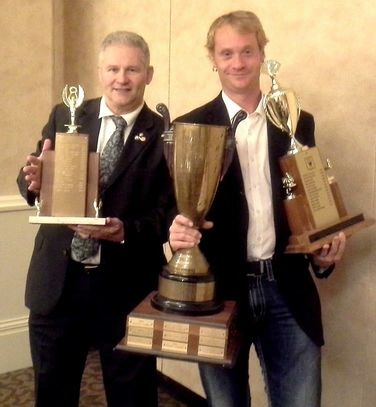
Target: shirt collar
233, 108
130, 118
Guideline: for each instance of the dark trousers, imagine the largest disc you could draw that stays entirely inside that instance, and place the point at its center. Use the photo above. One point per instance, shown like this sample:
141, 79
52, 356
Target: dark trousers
86, 317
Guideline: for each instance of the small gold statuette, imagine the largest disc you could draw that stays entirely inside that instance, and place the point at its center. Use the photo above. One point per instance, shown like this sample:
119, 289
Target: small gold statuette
69, 184
314, 206
73, 97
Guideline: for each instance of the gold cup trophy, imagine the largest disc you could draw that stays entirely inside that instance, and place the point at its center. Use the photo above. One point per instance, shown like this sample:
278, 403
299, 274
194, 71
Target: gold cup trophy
314, 205
70, 174
184, 319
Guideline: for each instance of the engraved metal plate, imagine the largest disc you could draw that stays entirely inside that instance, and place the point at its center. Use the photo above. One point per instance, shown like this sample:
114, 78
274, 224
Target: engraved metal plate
213, 332
210, 351
175, 326
140, 342
140, 331
172, 346
211, 341
141, 322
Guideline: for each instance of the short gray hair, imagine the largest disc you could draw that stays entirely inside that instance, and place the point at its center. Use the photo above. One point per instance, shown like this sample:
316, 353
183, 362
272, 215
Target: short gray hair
127, 38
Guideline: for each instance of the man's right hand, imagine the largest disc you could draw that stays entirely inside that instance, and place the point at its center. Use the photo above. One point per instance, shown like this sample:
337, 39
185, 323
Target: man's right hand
33, 169
184, 235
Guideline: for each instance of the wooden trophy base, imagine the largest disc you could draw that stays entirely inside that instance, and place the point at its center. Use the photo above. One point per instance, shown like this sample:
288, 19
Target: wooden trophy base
209, 338
310, 241
66, 220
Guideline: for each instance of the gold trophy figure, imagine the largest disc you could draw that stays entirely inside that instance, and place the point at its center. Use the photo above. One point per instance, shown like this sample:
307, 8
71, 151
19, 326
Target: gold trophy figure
314, 206
73, 97
70, 174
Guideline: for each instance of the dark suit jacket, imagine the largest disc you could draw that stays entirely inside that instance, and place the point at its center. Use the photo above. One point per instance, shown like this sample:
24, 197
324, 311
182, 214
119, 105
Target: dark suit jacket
139, 193
225, 245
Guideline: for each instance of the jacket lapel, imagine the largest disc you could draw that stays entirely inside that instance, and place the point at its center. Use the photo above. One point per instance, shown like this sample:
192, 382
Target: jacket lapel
136, 143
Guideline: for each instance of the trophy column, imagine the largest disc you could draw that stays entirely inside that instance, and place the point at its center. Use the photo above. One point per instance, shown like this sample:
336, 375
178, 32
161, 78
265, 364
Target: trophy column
70, 174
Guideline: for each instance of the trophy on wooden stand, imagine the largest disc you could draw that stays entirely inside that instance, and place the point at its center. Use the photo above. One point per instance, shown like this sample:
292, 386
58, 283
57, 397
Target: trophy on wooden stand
196, 158
184, 319
314, 205
70, 174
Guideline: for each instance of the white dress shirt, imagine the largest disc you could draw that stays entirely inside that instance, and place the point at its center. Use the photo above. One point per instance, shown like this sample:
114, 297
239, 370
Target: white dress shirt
108, 125
252, 148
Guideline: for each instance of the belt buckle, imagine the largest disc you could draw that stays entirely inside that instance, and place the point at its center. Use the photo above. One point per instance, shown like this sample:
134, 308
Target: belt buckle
261, 266
90, 267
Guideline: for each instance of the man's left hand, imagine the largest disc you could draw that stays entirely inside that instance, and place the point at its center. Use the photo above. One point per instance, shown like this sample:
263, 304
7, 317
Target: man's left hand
113, 230
330, 253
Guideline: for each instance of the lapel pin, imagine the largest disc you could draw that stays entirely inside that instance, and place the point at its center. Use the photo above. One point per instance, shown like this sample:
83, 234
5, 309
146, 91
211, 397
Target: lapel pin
140, 137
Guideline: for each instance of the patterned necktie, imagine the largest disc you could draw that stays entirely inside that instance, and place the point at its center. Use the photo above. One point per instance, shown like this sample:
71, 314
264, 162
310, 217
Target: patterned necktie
112, 150
85, 248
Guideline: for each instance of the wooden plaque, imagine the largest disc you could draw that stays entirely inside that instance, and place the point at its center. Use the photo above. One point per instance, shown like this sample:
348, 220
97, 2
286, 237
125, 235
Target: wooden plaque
69, 185
213, 338
70, 174
315, 208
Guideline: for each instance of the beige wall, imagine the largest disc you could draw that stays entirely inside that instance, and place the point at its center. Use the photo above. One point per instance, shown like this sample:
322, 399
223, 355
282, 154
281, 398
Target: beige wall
327, 55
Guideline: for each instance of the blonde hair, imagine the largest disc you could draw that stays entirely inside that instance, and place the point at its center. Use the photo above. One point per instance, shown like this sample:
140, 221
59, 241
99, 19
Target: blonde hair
243, 22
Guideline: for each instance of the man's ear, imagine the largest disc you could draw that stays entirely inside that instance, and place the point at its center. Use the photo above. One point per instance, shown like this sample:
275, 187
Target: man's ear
150, 74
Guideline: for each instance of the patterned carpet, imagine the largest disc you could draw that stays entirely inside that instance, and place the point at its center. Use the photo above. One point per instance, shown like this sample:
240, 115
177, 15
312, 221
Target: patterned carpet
16, 389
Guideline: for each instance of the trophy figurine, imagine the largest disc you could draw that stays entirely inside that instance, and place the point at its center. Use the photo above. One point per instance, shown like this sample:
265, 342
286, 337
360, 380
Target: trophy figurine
184, 319
314, 206
69, 184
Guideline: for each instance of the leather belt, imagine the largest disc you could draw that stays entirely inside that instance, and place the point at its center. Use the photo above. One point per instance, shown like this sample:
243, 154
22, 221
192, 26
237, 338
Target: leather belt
258, 268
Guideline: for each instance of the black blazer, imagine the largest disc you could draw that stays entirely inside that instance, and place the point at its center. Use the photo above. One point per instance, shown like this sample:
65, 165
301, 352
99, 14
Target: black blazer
225, 245
139, 193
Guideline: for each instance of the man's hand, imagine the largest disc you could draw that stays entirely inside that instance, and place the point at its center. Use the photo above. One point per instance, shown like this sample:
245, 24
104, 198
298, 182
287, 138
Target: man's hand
183, 234
113, 231
331, 253
33, 169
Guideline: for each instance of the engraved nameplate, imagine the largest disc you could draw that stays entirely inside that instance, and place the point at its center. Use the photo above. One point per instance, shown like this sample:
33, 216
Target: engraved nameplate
175, 326
175, 336
141, 322
213, 332
210, 341
316, 186
70, 175
140, 331
210, 351
172, 346
139, 342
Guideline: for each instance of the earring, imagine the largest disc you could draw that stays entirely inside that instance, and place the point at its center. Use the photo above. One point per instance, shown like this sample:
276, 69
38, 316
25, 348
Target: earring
214, 69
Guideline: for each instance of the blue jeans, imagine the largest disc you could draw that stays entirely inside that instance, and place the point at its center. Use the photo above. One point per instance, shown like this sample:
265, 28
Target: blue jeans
290, 361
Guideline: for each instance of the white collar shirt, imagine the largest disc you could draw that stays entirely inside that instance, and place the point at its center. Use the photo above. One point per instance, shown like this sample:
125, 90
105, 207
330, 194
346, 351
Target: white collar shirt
252, 148
108, 126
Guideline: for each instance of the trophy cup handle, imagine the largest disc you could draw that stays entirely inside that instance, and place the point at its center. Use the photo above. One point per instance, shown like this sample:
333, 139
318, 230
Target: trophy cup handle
230, 141
168, 137
163, 110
